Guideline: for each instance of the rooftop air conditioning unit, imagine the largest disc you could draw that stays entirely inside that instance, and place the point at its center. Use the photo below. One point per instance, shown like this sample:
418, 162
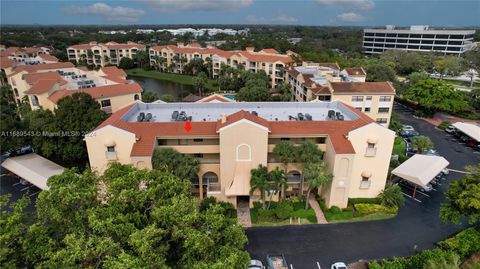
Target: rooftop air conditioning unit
148, 117
141, 117
308, 116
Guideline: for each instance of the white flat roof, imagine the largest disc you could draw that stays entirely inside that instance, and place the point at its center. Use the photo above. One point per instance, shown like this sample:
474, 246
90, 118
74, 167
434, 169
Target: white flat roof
470, 129
33, 168
421, 169
271, 111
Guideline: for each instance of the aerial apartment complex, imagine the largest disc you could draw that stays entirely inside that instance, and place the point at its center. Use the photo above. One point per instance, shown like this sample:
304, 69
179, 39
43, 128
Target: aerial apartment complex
417, 38
102, 54
46, 82
325, 82
174, 57
231, 138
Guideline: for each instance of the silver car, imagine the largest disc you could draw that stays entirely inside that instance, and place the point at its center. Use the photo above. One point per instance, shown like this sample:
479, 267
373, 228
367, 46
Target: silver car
256, 264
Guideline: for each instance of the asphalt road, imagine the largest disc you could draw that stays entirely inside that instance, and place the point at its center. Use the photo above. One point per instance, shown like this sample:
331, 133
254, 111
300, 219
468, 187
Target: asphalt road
417, 224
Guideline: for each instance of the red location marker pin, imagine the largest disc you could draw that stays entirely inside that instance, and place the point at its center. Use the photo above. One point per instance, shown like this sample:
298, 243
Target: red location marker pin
187, 126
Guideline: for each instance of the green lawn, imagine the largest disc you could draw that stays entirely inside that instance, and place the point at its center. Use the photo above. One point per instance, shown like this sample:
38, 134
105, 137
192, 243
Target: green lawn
399, 146
212, 85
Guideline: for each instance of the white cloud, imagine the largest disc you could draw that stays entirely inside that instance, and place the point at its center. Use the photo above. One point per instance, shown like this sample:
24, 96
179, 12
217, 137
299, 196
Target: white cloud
350, 17
120, 14
197, 5
352, 4
277, 19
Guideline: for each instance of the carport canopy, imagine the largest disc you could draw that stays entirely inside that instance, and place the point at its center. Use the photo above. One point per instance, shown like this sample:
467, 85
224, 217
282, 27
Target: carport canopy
421, 169
33, 168
470, 129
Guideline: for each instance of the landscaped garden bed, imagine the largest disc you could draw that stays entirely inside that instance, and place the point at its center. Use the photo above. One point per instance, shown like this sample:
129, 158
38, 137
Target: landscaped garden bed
289, 211
360, 209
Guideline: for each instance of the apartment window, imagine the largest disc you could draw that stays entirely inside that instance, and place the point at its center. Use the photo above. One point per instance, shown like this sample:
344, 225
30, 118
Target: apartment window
369, 98
136, 97
383, 109
385, 98
359, 108
371, 145
198, 155
382, 120
198, 140
105, 103
365, 183
182, 141
16, 92
111, 149
285, 138
357, 98
35, 100
367, 109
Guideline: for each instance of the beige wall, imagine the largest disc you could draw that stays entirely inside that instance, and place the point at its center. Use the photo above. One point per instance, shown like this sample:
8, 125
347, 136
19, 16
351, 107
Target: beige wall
374, 104
96, 146
119, 101
378, 165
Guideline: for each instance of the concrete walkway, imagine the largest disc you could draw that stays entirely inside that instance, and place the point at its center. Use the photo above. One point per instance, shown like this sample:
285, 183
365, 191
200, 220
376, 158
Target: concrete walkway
318, 211
243, 214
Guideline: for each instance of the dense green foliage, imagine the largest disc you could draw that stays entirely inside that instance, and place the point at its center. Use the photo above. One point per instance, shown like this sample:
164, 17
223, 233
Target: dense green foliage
127, 218
181, 165
148, 97
444, 125
422, 144
392, 196
10, 122
463, 198
281, 212
265, 181
449, 256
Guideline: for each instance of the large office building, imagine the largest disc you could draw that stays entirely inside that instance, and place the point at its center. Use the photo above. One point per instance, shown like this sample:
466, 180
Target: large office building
325, 82
231, 138
417, 38
103, 54
173, 58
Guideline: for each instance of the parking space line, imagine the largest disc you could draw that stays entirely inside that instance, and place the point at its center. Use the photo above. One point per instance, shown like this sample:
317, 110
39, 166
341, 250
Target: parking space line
34, 193
411, 197
318, 265
417, 191
26, 188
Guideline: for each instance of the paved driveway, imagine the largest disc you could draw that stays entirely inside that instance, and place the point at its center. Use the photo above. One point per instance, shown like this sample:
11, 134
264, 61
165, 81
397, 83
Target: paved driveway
416, 224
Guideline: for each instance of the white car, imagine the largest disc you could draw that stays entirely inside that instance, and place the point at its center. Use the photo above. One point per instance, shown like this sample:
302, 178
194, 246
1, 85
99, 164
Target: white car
339, 265
408, 128
256, 264
450, 129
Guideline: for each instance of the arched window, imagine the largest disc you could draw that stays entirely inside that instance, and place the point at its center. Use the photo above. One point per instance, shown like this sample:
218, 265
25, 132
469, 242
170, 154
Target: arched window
211, 180
35, 100
136, 97
244, 152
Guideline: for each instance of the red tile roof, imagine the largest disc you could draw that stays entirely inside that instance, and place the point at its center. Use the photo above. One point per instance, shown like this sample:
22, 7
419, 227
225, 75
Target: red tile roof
116, 79
258, 57
110, 45
240, 115
33, 68
42, 86
362, 87
215, 97
331, 65
5, 62
355, 71
147, 132
270, 50
99, 92
32, 78
48, 57
113, 71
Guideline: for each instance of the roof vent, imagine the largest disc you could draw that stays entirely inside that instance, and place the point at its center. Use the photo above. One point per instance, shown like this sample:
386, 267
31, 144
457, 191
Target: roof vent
300, 116
148, 117
308, 116
141, 117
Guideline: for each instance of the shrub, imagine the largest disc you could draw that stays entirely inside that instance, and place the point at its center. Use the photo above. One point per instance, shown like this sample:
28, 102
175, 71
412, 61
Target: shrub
284, 210
335, 209
444, 125
419, 261
355, 201
229, 209
305, 214
465, 243
392, 196
365, 209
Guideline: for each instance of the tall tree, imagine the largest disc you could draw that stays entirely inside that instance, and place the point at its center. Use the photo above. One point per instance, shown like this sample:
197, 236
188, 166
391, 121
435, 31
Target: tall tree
141, 59
277, 181
11, 125
286, 153
199, 82
181, 165
316, 175
380, 72
308, 153
463, 198
259, 182
422, 144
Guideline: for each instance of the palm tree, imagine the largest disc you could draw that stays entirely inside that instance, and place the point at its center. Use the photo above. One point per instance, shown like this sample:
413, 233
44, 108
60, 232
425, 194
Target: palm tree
422, 144
259, 181
308, 152
276, 181
286, 153
317, 175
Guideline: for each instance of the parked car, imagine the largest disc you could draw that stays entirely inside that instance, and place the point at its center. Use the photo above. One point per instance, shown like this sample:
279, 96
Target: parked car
408, 128
276, 262
339, 265
409, 134
425, 188
432, 152
20, 151
256, 264
450, 129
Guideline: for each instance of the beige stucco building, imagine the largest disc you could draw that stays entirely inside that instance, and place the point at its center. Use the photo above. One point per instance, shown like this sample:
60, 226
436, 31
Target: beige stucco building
173, 58
231, 138
46, 84
325, 82
103, 54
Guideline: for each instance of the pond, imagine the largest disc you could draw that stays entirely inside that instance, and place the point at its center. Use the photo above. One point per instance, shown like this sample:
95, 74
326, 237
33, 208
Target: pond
161, 87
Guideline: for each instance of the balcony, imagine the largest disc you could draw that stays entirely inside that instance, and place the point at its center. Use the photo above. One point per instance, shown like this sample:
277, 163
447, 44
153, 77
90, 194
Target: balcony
365, 185
214, 188
192, 149
111, 156
370, 152
107, 109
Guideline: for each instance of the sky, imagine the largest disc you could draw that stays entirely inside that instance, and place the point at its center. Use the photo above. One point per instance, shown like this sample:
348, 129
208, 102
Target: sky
301, 12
